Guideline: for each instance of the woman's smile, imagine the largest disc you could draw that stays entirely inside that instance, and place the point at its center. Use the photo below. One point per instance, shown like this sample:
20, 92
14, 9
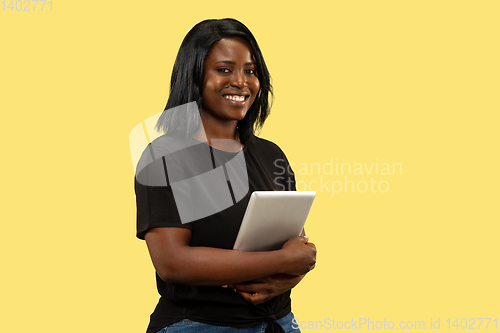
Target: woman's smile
230, 82
237, 100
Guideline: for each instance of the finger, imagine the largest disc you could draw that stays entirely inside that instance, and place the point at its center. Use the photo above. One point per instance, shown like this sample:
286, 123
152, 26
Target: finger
303, 239
253, 287
254, 299
237, 286
311, 244
246, 296
244, 287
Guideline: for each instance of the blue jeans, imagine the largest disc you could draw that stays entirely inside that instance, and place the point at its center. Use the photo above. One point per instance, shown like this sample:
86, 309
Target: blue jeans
189, 326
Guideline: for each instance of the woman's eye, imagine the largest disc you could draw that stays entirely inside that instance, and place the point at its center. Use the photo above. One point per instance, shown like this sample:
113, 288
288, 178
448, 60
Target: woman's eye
223, 70
250, 71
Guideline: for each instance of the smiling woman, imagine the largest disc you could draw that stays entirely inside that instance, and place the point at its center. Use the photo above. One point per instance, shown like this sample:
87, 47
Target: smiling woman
230, 85
205, 286
188, 76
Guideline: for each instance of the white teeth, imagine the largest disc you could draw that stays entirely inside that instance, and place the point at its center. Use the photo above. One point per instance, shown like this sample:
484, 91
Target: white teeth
235, 98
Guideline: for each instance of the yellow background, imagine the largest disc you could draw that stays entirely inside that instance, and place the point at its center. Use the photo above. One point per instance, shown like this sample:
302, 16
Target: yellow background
410, 82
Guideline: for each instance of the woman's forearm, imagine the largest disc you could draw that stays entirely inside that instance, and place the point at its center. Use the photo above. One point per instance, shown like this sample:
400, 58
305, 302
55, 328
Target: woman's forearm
177, 262
205, 266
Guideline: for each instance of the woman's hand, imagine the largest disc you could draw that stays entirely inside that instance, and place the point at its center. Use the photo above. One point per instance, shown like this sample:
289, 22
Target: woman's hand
262, 290
300, 255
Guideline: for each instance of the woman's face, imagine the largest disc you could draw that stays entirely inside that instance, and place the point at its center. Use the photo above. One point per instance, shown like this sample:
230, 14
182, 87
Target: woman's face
230, 81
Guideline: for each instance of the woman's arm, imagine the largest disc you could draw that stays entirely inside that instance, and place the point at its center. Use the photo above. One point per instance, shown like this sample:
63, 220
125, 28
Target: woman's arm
263, 289
176, 261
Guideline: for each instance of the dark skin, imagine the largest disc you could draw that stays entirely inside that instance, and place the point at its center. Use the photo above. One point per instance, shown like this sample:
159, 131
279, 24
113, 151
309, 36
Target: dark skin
230, 88
176, 261
230, 71
263, 289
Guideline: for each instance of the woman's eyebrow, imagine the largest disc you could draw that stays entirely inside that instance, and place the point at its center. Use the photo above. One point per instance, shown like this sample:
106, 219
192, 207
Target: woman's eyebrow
233, 63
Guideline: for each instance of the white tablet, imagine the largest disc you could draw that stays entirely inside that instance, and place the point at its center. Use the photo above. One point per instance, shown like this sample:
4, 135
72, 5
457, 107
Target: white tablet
272, 218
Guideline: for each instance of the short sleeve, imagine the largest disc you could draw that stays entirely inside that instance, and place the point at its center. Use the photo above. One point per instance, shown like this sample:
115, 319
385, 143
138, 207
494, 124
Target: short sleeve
156, 208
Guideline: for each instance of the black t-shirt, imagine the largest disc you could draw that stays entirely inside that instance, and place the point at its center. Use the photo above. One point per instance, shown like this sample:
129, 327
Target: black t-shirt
268, 170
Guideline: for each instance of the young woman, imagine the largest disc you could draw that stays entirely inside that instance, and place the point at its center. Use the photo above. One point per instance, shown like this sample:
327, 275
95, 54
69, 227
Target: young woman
205, 286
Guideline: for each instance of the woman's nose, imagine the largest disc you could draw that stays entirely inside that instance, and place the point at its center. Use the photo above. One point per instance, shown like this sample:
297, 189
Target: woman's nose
239, 80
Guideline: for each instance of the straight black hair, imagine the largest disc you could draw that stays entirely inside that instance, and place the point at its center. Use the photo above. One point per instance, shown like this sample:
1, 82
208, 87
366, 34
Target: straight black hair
186, 84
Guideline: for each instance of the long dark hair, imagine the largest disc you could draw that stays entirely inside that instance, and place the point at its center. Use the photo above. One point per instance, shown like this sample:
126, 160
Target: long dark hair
186, 84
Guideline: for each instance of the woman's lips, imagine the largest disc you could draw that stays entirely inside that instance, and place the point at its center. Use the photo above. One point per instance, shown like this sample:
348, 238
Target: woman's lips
238, 100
